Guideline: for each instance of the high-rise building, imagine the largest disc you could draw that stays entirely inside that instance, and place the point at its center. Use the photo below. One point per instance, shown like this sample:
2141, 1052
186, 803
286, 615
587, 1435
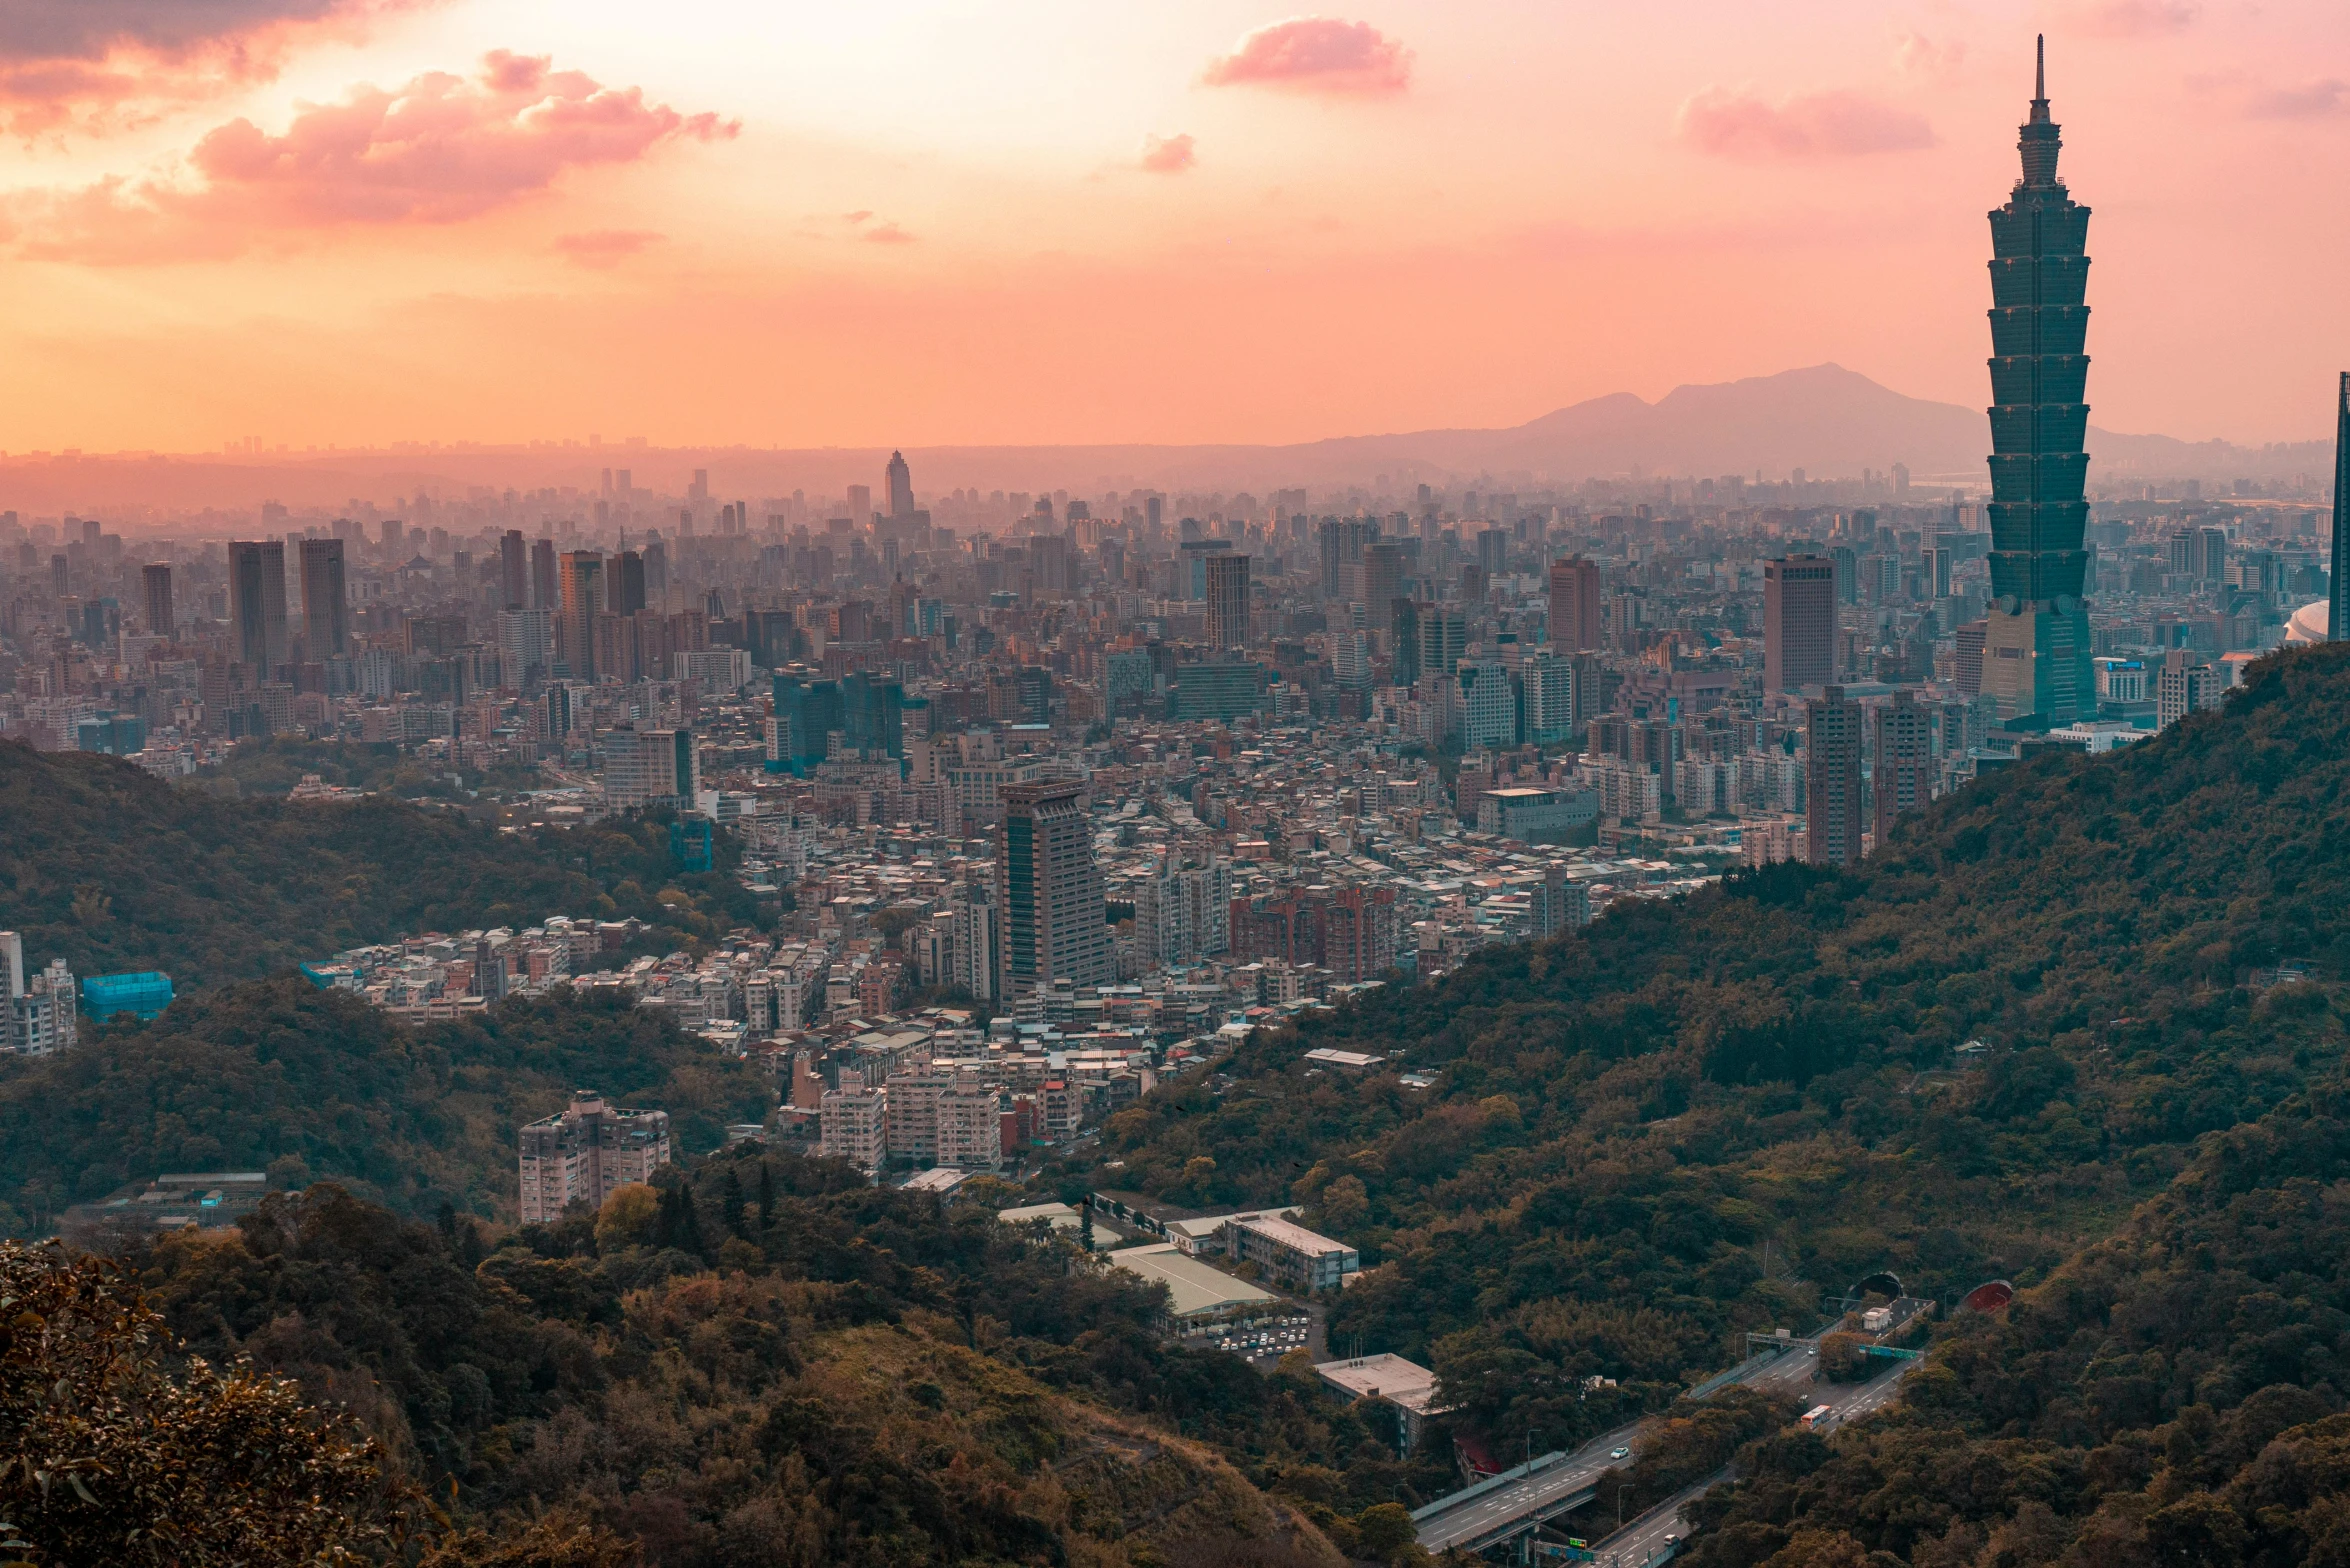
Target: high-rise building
543, 593
860, 505
2036, 645
586, 1153
1574, 605
873, 715
257, 605
526, 646
900, 485
2338, 599
1968, 665
806, 714
651, 768
1227, 601
326, 601
1799, 623
155, 584
1048, 563
628, 583
1903, 776
581, 577
1050, 890
39, 1014
1832, 800
2184, 685
513, 570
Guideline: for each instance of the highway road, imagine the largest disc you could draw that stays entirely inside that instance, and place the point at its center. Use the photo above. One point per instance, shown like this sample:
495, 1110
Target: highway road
1557, 1480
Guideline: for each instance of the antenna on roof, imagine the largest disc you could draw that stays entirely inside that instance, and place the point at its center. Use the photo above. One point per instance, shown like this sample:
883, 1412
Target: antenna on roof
2040, 77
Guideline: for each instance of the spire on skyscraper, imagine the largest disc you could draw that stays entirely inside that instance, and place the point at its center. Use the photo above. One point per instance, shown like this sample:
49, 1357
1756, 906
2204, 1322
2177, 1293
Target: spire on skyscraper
2040, 82
2338, 599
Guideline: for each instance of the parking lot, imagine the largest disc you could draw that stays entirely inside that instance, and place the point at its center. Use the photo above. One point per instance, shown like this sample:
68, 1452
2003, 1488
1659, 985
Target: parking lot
1263, 1340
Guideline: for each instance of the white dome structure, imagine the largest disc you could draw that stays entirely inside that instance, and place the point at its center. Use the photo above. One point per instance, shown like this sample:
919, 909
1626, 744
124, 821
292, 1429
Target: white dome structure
2310, 623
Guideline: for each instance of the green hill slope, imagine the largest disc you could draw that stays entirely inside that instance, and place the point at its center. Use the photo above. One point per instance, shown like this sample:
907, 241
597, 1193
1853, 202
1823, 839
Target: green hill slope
1694, 1119
279, 1075
112, 870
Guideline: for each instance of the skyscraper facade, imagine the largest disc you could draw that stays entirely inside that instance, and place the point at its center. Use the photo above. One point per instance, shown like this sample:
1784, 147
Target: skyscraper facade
543, 593
580, 575
1799, 622
155, 582
1574, 605
900, 480
1832, 798
1050, 890
2036, 645
1903, 777
326, 602
1227, 601
257, 604
513, 570
2338, 601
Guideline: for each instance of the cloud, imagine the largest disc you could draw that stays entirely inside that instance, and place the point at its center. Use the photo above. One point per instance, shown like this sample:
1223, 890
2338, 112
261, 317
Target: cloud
100, 65
2130, 18
605, 247
438, 149
1914, 54
1816, 125
886, 234
2314, 101
1315, 54
1168, 155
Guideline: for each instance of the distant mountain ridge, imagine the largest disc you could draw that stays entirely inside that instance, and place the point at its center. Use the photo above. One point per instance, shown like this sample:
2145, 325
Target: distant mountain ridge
1824, 419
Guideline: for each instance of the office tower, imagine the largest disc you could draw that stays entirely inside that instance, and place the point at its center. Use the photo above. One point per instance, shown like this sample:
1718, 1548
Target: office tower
651, 768
2211, 554
628, 583
257, 605
1903, 778
581, 575
900, 485
155, 581
543, 593
1443, 636
1382, 573
1050, 890
1574, 605
860, 505
2036, 646
2338, 598
586, 1154
526, 646
1934, 569
2184, 685
1227, 601
1342, 541
873, 715
1493, 550
807, 714
1048, 563
1832, 824
1799, 623
513, 570
1969, 639
326, 603
1403, 620
1154, 513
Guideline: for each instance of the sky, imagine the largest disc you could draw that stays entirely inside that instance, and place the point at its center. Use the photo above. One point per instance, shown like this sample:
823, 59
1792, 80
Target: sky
787, 223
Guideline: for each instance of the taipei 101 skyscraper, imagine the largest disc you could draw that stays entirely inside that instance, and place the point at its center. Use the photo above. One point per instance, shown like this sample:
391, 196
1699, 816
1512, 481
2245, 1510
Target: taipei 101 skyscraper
2036, 646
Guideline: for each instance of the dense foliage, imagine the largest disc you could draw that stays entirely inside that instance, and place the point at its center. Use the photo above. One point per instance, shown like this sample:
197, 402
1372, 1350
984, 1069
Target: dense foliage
1697, 1118
771, 1362
114, 870
2175, 1395
283, 1077
275, 764
114, 1452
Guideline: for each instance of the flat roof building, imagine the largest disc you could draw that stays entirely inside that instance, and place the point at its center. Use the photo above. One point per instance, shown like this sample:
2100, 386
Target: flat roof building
1198, 1293
1408, 1386
1289, 1254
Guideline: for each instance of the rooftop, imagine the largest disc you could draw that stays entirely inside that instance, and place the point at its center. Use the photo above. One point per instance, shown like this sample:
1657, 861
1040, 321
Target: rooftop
1194, 1287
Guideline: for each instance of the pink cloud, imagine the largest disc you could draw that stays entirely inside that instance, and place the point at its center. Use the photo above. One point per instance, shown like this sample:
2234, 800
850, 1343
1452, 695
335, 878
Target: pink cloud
604, 247
1315, 54
1168, 155
102, 65
2130, 18
2314, 101
439, 149
1815, 125
886, 234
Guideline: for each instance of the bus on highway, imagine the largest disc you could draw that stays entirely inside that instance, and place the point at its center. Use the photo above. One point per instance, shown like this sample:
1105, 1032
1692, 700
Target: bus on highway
1815, 1415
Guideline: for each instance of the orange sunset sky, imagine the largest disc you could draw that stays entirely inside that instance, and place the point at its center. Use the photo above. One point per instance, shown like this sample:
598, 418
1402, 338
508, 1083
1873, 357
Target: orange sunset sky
713, 221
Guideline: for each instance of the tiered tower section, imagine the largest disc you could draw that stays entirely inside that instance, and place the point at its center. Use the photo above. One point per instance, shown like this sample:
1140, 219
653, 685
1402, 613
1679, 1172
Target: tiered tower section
2036, 647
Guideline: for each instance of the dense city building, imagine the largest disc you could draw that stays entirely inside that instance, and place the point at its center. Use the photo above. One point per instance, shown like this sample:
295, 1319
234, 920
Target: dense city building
586, 1152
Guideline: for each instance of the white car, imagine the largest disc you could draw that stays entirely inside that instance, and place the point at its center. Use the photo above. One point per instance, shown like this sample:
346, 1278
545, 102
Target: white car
1619, 1453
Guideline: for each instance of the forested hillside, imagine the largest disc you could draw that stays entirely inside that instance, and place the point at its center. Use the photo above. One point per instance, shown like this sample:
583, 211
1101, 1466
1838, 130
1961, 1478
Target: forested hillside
279, 1075
773, 1363
112, 869
1694, 1119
